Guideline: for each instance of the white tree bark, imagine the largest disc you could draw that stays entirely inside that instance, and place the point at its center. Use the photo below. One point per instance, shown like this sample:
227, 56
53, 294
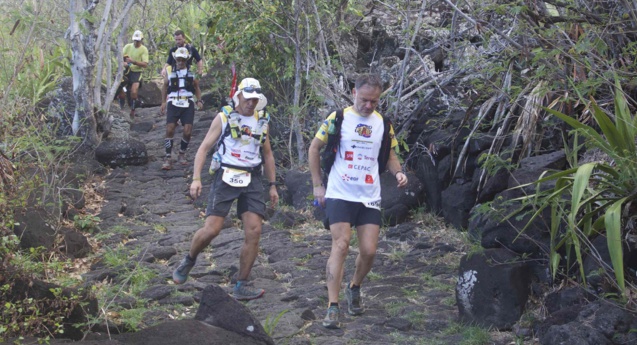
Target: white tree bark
84, 124
91, 51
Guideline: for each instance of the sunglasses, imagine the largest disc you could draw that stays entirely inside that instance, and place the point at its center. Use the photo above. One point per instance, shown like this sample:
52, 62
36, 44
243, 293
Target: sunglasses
180, 59
250, 89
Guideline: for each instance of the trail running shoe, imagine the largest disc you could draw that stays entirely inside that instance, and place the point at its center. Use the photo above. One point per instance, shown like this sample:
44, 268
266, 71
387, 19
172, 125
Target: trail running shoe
181, 159
331, 319
180, 275
243, 292
354, 300
167, 164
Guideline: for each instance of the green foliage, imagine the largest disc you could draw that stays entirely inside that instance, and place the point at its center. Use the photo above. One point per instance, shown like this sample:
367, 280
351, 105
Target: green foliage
599, 192
270, 322
87, 222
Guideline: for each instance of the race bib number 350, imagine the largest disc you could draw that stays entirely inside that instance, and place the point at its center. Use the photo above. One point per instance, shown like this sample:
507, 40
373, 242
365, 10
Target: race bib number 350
236, 178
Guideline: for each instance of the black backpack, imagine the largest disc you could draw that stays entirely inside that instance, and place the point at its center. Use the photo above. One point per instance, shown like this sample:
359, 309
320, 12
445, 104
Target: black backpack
334, 139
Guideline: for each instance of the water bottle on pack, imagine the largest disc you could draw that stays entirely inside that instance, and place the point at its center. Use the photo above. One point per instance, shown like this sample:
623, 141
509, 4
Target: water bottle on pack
262, 128
215, 164
233, 122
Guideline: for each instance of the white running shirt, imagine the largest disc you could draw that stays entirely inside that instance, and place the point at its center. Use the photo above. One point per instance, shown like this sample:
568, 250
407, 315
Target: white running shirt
354, 175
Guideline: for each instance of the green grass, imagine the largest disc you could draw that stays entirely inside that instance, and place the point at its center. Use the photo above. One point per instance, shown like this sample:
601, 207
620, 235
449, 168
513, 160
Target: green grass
410, 292
432, 282
372, 276
394, 308
471, 335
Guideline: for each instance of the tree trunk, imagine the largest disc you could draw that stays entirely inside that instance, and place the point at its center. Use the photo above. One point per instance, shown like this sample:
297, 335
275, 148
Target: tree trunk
82, 47
297, 118
91, 51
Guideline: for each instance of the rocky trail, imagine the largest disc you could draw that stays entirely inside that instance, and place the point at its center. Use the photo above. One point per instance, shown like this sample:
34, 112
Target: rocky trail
148, 218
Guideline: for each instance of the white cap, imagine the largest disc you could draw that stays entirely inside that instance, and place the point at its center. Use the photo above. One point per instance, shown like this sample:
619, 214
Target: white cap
138, 36
181, 52
254, 91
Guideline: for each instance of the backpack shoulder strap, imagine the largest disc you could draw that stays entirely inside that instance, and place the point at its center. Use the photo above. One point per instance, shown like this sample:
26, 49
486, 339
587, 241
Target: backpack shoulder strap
225, 112
339, 120
385, 147
331, 147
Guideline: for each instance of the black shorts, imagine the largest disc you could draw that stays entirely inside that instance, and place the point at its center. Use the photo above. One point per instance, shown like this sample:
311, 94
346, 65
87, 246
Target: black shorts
128, 79
354, 213
133, 77
222, 195
185, 115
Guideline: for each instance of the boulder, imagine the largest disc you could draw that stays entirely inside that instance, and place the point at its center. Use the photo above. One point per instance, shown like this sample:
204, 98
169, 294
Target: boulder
492, 289
218, 309
121, 152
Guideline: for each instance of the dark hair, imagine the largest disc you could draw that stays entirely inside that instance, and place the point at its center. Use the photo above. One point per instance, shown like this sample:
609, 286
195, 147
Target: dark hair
179, 33
372, 80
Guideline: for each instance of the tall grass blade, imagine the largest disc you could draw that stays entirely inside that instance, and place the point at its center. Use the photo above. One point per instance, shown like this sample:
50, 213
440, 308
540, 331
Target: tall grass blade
614, 239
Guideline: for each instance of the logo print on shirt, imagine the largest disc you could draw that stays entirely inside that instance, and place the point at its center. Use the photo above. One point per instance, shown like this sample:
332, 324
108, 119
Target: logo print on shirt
359, 156
235, 155
245, 129
358, 167
349, 155
348, 178
369, 179
364, 130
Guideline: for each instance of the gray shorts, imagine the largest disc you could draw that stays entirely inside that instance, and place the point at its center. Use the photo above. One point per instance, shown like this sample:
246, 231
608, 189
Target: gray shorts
222, 195
354, 213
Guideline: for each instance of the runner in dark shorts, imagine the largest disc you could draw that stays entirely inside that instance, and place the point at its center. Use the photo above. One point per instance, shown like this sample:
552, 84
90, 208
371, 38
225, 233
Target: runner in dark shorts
249, 198
355, 213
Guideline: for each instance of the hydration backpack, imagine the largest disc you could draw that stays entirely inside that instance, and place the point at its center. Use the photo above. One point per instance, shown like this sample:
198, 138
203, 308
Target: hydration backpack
216, 158
328, 156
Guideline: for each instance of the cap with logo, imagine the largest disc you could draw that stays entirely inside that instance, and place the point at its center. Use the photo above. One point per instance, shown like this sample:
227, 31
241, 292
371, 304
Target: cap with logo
251, 88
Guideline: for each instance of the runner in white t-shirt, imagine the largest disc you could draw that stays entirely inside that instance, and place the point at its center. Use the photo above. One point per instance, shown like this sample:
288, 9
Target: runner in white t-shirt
352, 197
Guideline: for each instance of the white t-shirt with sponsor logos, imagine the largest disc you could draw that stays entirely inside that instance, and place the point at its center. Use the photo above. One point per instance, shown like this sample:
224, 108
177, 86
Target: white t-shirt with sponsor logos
354, 175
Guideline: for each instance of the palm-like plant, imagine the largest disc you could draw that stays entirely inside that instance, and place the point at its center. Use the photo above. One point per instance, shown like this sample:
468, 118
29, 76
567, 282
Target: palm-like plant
599, 191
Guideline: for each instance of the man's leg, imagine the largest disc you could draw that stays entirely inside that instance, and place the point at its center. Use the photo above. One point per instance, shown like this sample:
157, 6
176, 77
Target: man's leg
121, 96
133, 95
168, 143
203, 237
341, 234
201, 240
252, 223
183, 146
368, 242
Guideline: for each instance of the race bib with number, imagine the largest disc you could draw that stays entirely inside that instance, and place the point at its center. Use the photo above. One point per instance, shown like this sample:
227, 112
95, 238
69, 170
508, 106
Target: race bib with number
181, 103
236, 178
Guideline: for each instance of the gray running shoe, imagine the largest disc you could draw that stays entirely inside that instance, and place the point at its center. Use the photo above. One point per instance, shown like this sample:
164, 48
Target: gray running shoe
180, 275
243, 292
331, 319
354, 300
